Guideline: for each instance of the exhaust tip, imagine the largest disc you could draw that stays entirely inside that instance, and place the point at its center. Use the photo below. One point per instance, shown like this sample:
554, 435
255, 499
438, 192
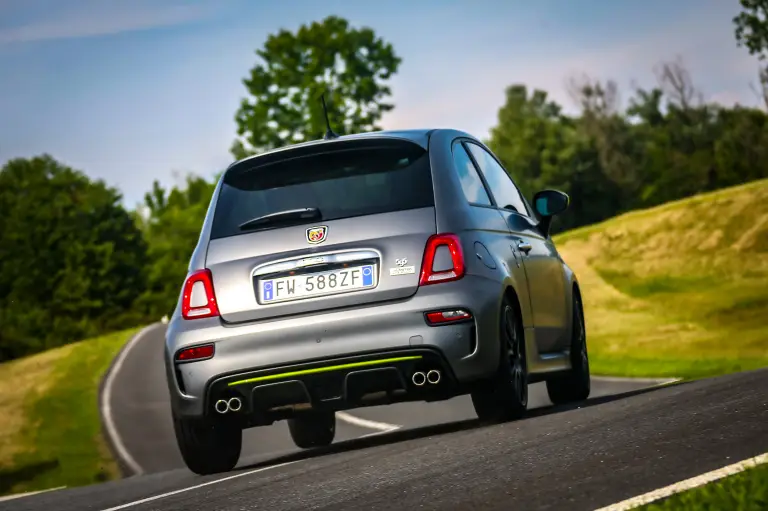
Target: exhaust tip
221, 406
418, 378
235, 404
433, 376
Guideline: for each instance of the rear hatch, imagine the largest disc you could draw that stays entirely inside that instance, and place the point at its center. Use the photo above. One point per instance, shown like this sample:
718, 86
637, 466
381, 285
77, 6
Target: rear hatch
321, 227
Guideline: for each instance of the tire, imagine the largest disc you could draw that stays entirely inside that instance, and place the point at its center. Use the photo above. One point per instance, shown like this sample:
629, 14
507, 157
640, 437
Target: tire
505, 396
313, 429
575, 385
208, 446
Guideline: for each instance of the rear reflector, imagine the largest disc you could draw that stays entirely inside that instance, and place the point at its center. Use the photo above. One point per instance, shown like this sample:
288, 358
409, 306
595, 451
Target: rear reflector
428, 273
195, 353
452, 316
198, 300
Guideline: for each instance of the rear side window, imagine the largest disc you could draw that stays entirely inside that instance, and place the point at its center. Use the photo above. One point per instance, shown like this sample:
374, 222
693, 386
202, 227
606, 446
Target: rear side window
342, 182
503, 189
471, 184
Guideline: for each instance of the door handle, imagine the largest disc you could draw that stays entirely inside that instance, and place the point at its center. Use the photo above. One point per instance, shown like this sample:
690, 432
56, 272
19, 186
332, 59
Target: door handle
524, 246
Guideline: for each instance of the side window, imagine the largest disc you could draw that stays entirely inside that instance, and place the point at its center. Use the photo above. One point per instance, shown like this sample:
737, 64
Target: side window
501, 185
471, 184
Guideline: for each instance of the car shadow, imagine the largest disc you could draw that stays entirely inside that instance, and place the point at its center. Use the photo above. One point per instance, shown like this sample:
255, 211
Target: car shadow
402, 435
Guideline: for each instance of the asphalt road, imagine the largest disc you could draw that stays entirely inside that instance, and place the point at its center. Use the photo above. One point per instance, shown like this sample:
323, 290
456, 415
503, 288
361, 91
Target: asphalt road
577, 457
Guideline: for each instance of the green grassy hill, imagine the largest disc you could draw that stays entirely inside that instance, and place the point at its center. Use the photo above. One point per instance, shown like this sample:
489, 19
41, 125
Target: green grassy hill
50, 430
677, 290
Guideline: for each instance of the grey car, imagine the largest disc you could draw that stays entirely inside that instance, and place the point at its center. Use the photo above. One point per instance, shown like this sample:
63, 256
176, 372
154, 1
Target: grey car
363, 270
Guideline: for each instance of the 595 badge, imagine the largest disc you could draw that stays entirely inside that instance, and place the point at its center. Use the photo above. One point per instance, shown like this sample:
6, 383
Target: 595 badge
401, 268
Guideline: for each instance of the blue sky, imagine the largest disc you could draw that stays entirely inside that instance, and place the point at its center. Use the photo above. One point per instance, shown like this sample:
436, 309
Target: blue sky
135, 90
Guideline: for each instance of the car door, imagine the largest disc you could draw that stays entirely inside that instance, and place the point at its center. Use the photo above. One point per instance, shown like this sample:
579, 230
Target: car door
543, 267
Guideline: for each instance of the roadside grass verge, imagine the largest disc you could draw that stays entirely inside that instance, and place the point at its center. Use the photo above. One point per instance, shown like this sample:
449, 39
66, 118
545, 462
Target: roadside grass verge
746, 491
678, 290
50, 429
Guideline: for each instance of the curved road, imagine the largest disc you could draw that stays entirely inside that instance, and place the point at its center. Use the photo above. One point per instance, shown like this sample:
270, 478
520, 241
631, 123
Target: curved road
622, 442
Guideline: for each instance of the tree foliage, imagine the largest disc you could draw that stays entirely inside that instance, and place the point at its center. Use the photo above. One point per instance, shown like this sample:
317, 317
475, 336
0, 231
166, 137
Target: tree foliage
752, 32
295, 69
171, 228
752, 27
73, 260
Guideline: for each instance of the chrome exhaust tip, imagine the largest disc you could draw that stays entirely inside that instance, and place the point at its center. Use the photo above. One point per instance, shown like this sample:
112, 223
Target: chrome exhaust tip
235, 404
418, 378
221, 406
433, 376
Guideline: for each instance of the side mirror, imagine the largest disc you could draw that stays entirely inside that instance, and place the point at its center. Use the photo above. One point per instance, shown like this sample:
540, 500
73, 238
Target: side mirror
549, 203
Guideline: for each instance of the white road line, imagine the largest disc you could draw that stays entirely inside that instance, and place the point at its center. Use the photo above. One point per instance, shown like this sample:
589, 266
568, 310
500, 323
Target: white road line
620, 379
667, 382
28, 494
190, 488
375, 433
688, 484
106, 398
381, 427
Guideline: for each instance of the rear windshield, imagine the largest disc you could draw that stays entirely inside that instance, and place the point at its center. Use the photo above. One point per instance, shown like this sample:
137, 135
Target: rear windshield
341, 183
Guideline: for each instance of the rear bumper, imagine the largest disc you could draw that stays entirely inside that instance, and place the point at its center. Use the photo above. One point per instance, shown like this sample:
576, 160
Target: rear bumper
337, 384
256, 354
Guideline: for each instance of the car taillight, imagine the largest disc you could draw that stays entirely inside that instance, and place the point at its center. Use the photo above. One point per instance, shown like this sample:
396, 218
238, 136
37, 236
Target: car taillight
434, 243
198, 300
195, 353
449, 316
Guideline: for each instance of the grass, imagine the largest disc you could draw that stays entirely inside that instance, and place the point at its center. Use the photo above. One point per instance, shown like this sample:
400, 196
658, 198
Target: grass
678, 290
746, 491
50, 430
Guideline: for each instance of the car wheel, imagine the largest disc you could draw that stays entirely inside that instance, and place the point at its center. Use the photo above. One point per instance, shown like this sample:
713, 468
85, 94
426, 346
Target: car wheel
575, 385
313, 429
505, 396
208, 446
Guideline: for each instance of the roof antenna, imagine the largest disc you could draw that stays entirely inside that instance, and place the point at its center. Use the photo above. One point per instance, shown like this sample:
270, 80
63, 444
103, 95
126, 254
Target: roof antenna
329, 134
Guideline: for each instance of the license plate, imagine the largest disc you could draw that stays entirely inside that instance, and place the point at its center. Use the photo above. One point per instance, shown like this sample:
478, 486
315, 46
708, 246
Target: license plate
317, 284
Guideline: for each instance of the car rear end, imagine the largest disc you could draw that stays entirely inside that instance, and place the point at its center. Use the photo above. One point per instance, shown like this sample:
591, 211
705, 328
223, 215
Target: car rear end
320, 280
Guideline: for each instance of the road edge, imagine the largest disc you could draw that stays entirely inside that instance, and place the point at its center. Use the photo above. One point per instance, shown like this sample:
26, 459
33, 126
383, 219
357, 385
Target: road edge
126, 463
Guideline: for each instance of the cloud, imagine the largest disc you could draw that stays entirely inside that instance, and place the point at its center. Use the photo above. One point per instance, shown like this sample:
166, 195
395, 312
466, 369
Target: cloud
90, 19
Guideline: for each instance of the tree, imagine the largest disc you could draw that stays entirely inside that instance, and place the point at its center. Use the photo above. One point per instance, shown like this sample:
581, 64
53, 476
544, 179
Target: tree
752, 32
524, 135
171, 229
72, 258
752, 27
350, 65
611, 135
676, 82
